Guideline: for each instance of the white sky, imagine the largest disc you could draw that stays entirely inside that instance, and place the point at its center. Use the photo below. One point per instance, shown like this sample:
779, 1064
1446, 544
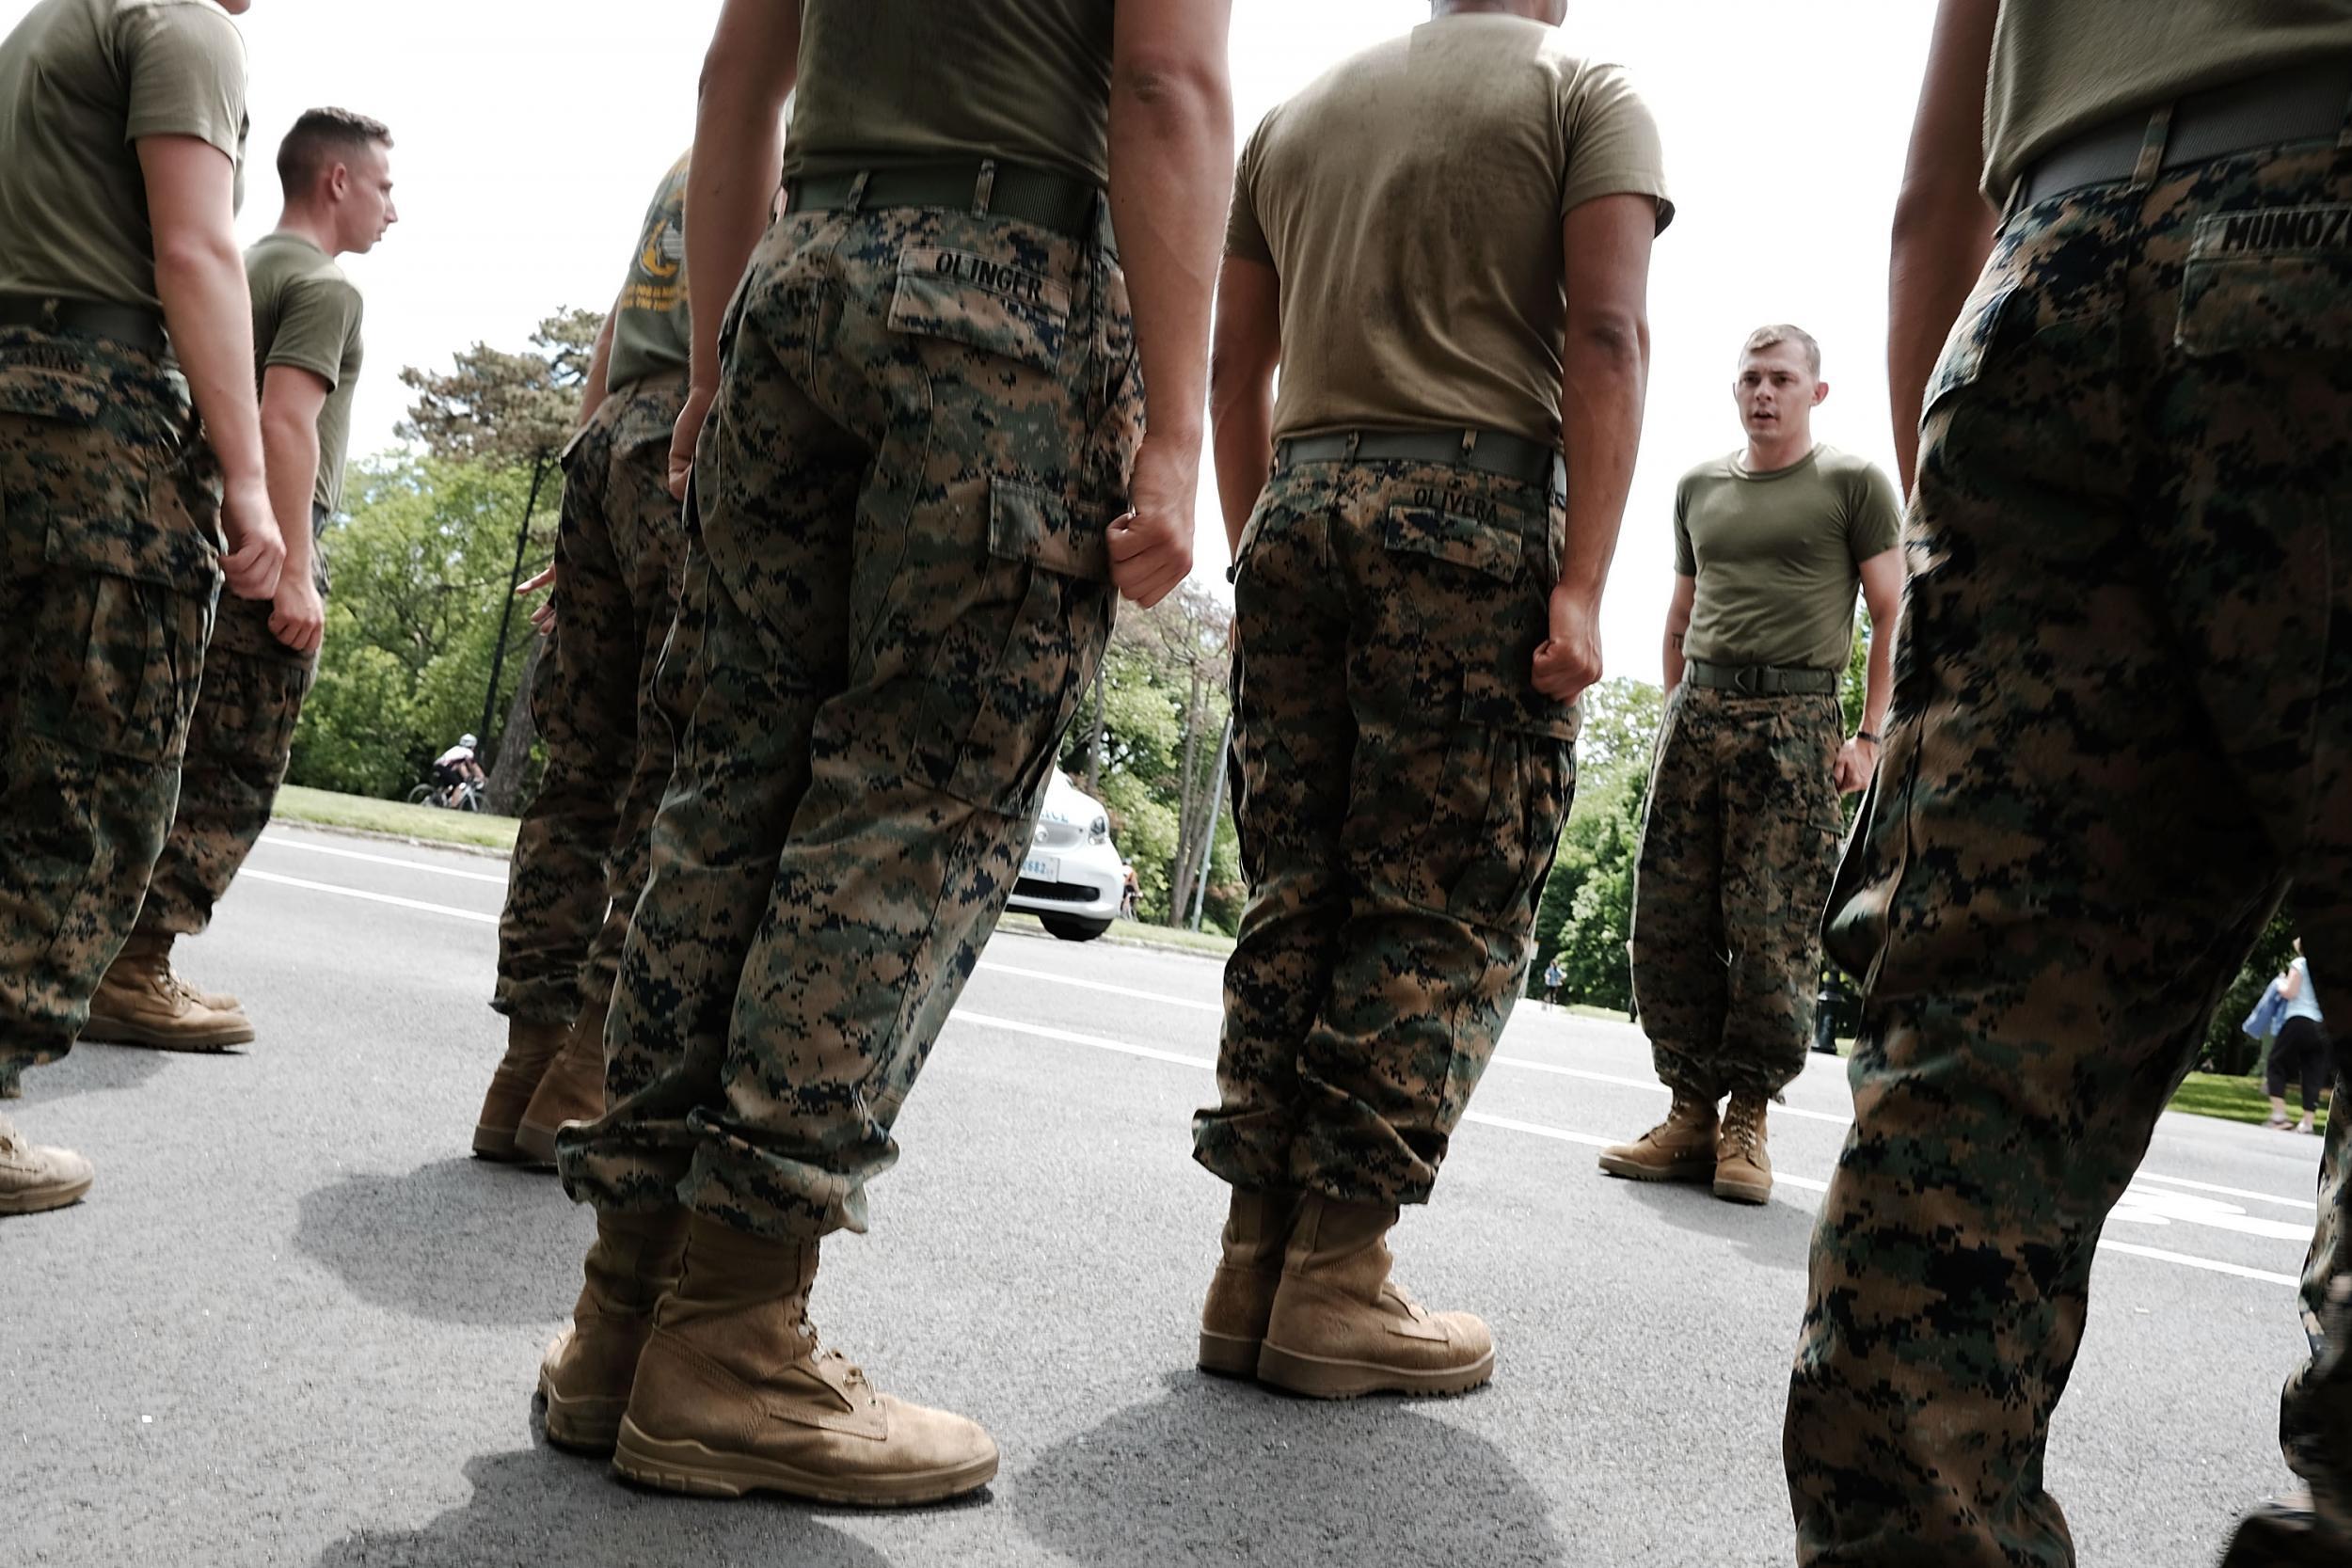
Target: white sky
529, 135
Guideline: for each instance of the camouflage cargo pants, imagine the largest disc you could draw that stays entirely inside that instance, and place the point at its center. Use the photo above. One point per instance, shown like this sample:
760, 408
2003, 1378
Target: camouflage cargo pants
2122, 724
1399, 788
581, 853
239, 744
899, 587
109, 506
1738, 843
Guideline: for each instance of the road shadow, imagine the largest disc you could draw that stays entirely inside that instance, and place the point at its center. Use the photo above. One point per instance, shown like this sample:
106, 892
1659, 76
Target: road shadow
1777, 1235
539, 1505
1222, 1472
459, 1241
90, 1068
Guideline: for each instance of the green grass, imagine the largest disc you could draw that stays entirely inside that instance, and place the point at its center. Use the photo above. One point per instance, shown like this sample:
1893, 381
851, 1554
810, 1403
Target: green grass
1132, 933
396, 819
2209, 1094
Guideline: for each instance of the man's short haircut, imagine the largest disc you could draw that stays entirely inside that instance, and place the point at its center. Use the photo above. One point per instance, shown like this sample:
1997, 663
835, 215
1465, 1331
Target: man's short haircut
1772, 336
318, 139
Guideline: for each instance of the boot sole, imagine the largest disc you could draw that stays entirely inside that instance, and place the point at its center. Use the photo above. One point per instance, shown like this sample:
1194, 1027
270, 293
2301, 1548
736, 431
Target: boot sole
536, 1144
685, 1466
585, 1425
41, 1199
1634, 1171
121, 1031
1326, 1378
1225, 1355
1744, 1192
496, 1143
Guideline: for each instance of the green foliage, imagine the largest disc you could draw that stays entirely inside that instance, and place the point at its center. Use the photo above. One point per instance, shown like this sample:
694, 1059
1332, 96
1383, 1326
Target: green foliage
1621, 719
497, 406
420, 570
1585, 914
2226, 1049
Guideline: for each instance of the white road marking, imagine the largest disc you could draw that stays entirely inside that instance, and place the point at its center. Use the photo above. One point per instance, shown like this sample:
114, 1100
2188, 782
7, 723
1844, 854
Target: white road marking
371, 898
2144, 1207
274, 842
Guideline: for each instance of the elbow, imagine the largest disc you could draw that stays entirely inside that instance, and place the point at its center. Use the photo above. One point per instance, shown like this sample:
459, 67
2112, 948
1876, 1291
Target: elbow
1235, 378
182, 258
1175, 91
1611, 345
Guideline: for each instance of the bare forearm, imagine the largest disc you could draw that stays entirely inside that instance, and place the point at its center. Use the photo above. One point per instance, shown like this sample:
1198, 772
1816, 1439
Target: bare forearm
1878, 682
1937, 254
291, 447
1244, 447
1171, 173
209, 316
600, 366
730, 188
1604, 385
1674, 661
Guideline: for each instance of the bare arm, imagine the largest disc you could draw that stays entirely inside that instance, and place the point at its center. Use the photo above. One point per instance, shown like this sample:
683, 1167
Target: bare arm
1943, 228
731, 186
1679, 628
599, 365
1604, 382
200, 276
291, 399
1171, 172
1247, 347
2291, 987
1882, 590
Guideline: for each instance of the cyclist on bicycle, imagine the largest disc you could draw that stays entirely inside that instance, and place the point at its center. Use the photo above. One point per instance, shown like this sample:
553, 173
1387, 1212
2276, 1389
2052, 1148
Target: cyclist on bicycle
457, 765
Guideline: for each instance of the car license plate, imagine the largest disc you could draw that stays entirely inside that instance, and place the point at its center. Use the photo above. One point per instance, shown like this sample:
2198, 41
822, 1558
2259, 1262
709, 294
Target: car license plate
1045, 869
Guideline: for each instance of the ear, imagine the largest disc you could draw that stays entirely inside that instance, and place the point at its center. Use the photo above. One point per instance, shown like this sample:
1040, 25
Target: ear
1821, 393
338, 181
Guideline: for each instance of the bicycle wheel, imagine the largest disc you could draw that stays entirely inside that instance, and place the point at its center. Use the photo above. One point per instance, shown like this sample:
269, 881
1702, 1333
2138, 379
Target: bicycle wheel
421, 796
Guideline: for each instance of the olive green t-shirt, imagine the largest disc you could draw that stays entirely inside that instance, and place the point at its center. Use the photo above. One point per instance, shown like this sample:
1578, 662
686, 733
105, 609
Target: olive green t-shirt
81, 81
306, 314
1410, 202
2060, 66
651, 330
1776, 557
885, 83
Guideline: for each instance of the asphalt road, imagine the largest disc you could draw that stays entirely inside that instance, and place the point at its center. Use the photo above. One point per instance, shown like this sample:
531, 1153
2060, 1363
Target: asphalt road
294, 1322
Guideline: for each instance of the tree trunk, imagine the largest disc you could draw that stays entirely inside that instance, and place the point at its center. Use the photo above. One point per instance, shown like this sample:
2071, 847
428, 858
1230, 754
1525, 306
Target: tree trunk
1180, 890
1094, 748
504, 791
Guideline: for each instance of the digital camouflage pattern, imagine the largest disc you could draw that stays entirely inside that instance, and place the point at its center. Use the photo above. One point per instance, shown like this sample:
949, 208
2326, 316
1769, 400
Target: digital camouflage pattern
1399, 786
899, 585
581, 853
1738, 843
2121, 725
109, 516
239, 744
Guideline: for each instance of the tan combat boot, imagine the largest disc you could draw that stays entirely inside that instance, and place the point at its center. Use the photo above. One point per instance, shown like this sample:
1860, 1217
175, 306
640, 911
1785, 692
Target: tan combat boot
1340, 1327
1241, 1297
529, 1047
571, 1091
33, 1178
587, 1370
733, 1395
1743, 1171
141, 1002
1680, 1148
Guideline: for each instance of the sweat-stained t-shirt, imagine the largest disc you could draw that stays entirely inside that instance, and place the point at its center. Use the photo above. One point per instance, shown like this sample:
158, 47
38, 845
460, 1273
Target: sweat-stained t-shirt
81, 81
887, 82
306, 314
652, 333
1410, 202
1777, 557
2061, 66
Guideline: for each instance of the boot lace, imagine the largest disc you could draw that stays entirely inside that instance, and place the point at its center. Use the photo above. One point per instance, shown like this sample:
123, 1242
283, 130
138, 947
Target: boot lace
1739, 1127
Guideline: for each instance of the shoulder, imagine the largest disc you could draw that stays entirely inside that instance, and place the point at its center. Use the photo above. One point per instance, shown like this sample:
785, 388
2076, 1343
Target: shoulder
197, 26
1713, 471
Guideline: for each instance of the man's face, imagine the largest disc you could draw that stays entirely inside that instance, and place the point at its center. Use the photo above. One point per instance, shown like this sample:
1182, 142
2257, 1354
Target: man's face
366, 211
1776, 391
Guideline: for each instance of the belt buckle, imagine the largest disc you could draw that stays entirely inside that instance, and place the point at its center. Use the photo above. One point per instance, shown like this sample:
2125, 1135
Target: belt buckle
1748, 681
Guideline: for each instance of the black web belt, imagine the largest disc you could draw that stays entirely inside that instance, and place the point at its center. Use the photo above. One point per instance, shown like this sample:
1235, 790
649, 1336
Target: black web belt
125, 323
1759, 680
1060, 202
1488, 451
2300, 104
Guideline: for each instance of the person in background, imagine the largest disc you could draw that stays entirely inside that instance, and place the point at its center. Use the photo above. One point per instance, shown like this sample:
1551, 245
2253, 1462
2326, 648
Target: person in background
1554, 976
2302, 1050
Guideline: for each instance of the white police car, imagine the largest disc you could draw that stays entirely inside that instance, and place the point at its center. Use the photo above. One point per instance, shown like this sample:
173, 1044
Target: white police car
1072, 877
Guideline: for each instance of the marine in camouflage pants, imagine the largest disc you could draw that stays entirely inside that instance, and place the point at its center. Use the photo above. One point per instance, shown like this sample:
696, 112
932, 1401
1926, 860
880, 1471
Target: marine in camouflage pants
581, 852
899, 586
1399, 788
109, 512
1738, 843
239, 744
2121, 723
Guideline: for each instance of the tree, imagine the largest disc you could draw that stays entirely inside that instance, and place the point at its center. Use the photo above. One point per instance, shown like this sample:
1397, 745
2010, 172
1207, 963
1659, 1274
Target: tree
1585, 913
1621, 719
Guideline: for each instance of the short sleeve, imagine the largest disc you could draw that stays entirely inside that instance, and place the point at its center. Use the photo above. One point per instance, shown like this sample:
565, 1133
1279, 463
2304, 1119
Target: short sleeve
1245, 236
186, 74
1874, 519
1612, 141
316, 321
1686, 558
